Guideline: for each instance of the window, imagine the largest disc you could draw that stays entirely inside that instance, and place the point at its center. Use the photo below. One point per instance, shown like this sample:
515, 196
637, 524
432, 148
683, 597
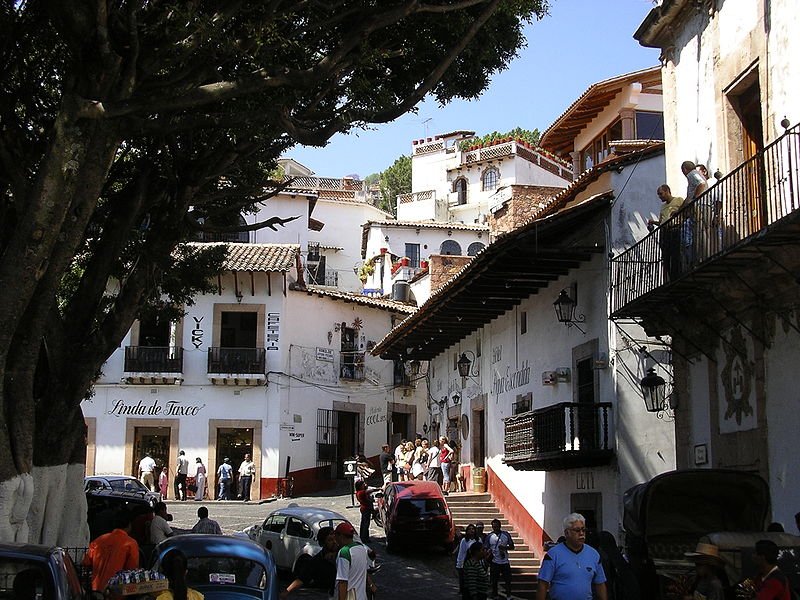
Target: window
450, 248
275, 523
297, 528
474, 248
412, 252
649, 125
490, 179
523, 322
460, 188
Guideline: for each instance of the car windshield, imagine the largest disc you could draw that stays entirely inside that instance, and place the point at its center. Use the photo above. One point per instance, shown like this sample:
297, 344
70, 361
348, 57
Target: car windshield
20, 578
422, 507
225, 570
127, 485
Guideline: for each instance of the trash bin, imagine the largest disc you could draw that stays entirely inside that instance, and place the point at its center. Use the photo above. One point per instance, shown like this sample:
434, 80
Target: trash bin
478, 479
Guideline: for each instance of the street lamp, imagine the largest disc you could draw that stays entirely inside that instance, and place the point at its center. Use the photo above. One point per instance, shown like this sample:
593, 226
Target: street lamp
654, 391
456, 399
565, 310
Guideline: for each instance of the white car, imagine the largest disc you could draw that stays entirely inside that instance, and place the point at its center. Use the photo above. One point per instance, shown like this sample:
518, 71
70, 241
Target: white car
292, 532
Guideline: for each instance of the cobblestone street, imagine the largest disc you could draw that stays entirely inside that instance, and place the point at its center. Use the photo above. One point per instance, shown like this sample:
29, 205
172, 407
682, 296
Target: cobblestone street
405, 575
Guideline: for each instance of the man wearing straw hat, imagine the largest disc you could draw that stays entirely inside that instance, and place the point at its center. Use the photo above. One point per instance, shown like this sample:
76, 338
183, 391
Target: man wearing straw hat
708, 564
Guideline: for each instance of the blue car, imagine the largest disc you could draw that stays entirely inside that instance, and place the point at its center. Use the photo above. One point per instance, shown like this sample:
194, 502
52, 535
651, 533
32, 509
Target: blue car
32, 571
221, 566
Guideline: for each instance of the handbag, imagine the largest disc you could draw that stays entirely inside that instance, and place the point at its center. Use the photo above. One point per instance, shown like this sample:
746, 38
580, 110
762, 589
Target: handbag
192, 488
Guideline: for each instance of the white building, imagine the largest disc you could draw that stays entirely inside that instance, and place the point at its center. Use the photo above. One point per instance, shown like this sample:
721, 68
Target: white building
267, 365
731, 83
554, 413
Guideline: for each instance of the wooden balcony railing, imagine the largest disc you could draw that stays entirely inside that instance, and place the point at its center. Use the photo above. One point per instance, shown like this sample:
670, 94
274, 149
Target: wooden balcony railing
561, 436
237, 361
738, 208
351, 366
153, 359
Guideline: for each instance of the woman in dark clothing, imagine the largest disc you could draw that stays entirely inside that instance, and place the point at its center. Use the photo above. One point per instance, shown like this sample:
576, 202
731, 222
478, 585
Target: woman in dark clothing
319, 570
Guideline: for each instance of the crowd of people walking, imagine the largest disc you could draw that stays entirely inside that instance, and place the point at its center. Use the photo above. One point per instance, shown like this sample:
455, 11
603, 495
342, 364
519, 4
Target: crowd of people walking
186, 486
422, 459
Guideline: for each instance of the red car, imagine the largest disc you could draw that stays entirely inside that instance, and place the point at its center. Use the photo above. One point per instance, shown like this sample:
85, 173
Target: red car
416, 512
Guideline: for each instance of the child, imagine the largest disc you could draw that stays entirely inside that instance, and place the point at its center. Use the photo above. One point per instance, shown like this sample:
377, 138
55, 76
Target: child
163, 481
476, 579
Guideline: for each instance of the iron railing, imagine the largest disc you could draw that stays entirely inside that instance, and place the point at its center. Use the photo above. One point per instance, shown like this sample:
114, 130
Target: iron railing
153, 359
329, 278
567, 427
351, 366
757, 194
237, 361
240, 237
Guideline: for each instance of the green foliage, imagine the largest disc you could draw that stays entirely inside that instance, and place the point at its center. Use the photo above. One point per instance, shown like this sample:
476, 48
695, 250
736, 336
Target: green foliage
518, 134
395, 180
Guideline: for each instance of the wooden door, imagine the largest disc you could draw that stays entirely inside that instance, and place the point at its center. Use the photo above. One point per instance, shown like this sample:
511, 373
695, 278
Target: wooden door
748, 106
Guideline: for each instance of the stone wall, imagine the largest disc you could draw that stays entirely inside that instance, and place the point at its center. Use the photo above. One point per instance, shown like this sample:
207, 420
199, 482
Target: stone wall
525, 202
443, 267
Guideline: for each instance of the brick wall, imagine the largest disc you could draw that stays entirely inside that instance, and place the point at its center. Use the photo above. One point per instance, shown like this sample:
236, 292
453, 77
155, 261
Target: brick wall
525, 202
443, 267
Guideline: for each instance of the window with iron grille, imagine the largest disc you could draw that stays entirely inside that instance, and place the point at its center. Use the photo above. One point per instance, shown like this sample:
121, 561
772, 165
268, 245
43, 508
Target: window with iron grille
327, 442
490, 178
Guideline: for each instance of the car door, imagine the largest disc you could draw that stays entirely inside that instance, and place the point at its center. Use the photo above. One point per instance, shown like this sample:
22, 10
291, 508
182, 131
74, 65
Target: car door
272, 532
297, 536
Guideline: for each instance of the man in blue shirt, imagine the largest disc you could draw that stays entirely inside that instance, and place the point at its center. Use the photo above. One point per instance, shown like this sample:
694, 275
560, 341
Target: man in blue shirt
572, 570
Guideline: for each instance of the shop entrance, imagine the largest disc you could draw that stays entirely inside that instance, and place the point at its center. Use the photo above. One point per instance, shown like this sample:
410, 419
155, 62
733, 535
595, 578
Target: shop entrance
233, 444
152, 440
347, 439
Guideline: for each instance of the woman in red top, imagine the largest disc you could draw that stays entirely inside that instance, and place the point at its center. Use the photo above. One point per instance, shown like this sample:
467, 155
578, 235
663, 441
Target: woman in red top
365, 507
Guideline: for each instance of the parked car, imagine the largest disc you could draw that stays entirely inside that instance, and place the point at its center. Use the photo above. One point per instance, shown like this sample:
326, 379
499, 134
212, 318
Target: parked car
47, 571
122, 485
666, 517
293, 531
221, 566
415, 511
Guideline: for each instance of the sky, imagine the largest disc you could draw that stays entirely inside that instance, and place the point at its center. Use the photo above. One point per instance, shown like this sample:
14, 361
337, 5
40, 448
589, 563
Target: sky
580, 43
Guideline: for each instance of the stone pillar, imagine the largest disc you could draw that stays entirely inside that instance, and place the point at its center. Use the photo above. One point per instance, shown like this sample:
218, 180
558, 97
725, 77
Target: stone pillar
628, 124
576, 163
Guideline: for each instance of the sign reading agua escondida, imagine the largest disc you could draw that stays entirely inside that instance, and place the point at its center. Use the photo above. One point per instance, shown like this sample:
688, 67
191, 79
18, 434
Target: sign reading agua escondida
170, 408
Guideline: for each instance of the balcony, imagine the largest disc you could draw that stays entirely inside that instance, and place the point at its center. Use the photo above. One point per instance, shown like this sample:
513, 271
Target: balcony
351, 366
249, 363
153, 360
731, 228
563, 436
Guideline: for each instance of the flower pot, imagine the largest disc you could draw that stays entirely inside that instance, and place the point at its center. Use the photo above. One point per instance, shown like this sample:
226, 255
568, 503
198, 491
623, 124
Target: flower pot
405, 261
384, 250
423, 264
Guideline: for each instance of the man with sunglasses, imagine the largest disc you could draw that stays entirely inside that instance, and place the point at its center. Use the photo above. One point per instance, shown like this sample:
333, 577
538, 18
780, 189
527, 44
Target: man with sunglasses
572, 570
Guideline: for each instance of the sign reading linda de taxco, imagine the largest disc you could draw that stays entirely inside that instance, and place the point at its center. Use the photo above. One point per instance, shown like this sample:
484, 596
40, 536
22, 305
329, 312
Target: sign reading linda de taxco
155, 408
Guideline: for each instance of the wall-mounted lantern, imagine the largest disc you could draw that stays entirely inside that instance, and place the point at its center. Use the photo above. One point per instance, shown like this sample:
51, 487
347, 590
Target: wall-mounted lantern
565, 306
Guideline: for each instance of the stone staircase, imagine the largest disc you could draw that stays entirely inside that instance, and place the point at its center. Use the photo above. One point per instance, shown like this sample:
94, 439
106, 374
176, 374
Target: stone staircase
468, 508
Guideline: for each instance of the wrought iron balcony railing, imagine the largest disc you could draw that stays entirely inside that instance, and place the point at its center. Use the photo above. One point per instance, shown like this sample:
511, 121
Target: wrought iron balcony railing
561, 436
153, 359
755, 196
351, 366
237, 361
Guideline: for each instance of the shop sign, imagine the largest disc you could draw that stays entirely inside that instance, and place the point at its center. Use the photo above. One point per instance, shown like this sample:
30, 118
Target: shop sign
156, 408
377, 415
511, 380
325, 354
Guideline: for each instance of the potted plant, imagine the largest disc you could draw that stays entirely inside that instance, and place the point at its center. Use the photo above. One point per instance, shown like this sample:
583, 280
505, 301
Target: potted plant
405, 261
423, 264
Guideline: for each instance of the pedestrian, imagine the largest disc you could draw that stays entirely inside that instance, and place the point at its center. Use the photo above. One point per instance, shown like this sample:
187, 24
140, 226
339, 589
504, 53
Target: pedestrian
163, 482
797, 521
204, 524
175, 567
225, 474
708, 565
200, 479
319, 571
558, 574
181, 472
159, 526
445, 458
420, 466
398, 458
476, 579
146, 468
434, 465
386, 461
461, 555
352, 563
771, 583
246, 471
365, 508
695, 186
479, 535
112, 552
670, 233
498, 543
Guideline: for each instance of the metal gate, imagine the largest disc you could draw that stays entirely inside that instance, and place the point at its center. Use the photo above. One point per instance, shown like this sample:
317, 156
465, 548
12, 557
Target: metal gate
327, 442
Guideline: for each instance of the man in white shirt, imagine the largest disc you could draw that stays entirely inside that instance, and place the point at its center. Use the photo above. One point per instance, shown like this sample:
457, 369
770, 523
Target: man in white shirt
351, 565
246, 470
159, 529
146, 467
434, 465
180, 476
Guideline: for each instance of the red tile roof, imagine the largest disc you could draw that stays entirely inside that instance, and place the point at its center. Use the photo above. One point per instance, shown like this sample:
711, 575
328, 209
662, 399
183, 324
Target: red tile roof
257, 257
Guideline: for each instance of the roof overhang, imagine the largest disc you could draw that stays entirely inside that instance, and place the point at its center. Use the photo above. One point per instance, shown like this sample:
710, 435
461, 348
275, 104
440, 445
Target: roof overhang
514, 267
559, 138
656, 30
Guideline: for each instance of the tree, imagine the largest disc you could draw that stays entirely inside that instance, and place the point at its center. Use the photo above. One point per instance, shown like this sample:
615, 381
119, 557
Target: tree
395, 180
128, 127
